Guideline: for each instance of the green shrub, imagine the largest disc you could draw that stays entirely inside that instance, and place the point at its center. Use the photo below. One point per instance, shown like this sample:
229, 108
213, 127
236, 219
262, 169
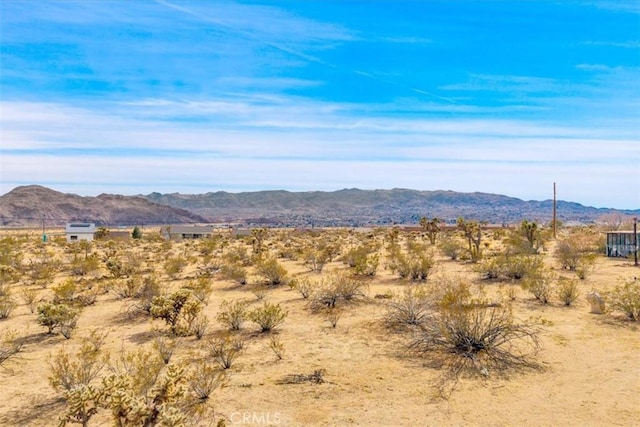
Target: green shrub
540, 285
568, 290
232, 314
268, 317
272, 271
625, 298
54, 316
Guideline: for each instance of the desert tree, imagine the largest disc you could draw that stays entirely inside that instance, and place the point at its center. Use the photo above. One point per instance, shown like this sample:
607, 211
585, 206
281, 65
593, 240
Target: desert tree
432, 227
527, 238
473, 233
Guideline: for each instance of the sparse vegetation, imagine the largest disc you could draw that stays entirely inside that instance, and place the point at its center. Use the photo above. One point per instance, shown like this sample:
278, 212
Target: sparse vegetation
167, 372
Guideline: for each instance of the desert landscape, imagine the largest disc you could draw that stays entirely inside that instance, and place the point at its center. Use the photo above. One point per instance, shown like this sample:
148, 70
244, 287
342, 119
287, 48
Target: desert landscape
320, 327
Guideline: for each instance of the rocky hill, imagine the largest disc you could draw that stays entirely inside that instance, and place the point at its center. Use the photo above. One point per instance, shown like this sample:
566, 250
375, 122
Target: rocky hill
355, 207
29, 205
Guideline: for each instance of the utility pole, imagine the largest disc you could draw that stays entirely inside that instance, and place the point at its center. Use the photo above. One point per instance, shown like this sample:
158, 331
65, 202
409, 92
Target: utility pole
554, 211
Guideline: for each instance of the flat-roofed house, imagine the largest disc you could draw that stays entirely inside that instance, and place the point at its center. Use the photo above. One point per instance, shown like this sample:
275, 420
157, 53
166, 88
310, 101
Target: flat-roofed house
181, 232
76, 231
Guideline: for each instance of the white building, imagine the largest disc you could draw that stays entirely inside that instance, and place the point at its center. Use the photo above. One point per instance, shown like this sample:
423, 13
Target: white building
76, 231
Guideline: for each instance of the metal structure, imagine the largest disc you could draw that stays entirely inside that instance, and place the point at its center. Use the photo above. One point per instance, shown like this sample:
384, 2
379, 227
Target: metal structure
622, 243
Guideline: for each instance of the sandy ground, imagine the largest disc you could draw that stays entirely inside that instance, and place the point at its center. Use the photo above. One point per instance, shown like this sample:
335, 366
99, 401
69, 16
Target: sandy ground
590, 375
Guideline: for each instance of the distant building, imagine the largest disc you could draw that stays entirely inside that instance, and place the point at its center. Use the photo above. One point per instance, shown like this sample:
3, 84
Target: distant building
76, 231
240, 232
621, 243
182, 232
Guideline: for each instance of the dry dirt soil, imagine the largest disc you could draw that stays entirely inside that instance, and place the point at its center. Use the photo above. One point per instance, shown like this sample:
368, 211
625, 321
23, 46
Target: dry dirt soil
590, 363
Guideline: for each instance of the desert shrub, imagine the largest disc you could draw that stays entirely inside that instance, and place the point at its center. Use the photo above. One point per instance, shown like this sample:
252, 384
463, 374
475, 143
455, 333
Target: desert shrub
42, 269
577, 251
337, 286
147, 292
136, 233
450, 246
72, 376
520, 266
472, 335
268, 317
178, 310
540, 285
235, 272
128, 288
65, 292
304, 286
510, 266
8, 275
317, 256
224, 351
586, 264
232, 314
142, 391
68, 372
10, 345
81, 266
272, 271
413, 307
7, 303
333, 315
174, 265
53, 316
363, 259
165, 348
567, 290
625, 298
199, 326
491, 268
277, 347
204, 378
416, 264
201, 288
119, 267
238, 255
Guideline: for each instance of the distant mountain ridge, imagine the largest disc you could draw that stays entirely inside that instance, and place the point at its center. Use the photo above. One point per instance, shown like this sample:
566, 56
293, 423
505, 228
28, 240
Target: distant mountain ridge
28, 205
354, 207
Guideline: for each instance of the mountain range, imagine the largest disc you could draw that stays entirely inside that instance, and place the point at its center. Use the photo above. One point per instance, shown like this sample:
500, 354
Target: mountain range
34, 204
348, 207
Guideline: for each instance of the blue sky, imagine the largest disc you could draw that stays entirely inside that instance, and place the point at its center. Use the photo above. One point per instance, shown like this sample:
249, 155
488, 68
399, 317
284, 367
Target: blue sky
193, 96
